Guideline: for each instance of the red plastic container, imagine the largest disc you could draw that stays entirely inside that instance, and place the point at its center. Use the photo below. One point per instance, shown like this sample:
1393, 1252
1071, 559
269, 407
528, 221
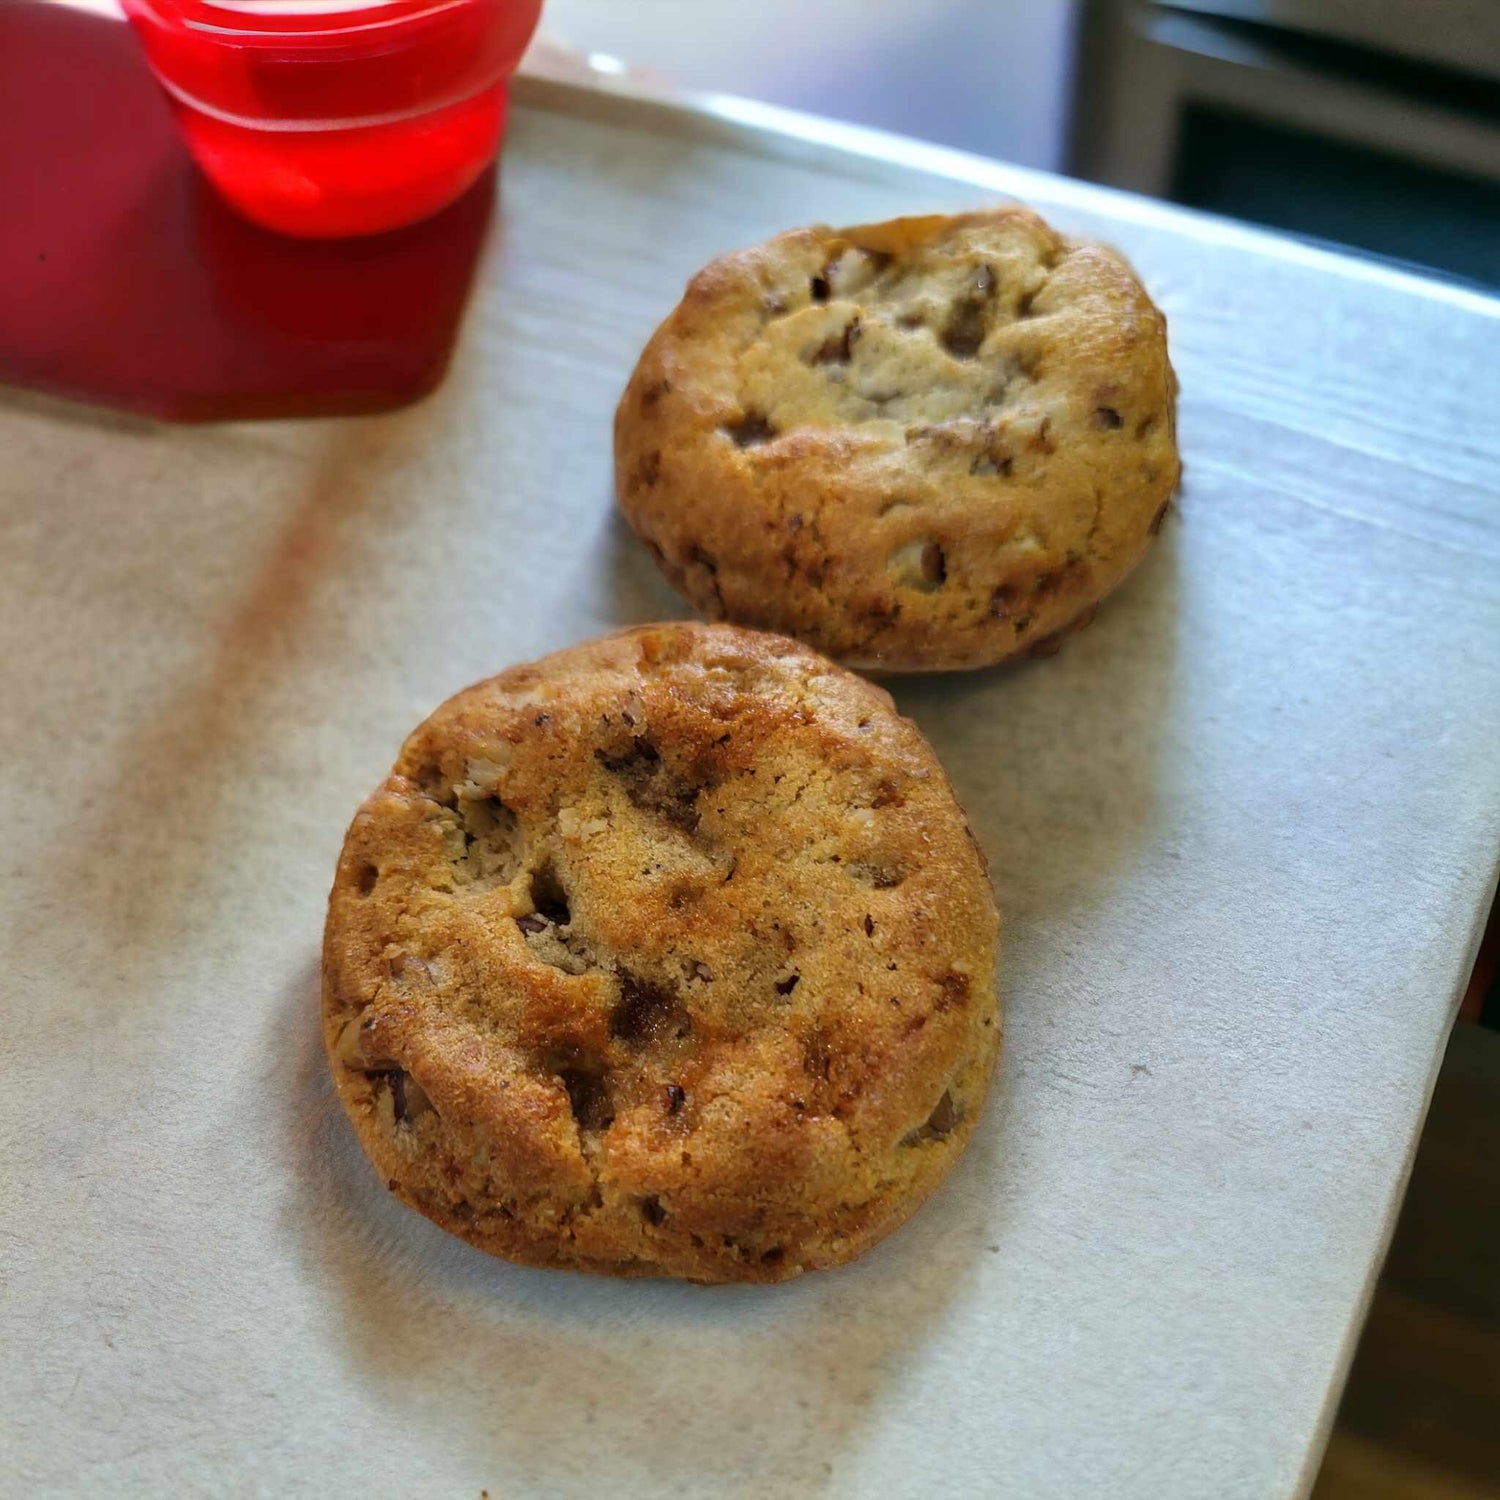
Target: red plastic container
325, 118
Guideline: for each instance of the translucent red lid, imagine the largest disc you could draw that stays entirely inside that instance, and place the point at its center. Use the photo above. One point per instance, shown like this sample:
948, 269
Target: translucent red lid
327, 62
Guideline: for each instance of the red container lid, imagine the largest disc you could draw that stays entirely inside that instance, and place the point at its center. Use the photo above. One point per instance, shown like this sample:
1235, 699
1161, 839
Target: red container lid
322, 63
125, 281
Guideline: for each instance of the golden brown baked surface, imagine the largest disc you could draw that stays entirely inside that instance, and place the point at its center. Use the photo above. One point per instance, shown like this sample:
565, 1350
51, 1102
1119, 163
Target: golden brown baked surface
930, 443
669, 954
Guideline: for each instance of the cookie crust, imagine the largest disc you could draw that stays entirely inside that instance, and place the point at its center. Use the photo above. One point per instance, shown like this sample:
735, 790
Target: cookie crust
925, 444
669, 954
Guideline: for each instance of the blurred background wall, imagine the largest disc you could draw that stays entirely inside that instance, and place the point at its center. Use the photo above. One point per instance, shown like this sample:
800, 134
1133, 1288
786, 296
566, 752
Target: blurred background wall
1373, 124
993, 76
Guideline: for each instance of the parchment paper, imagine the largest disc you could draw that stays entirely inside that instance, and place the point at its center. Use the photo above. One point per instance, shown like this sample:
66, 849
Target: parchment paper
1242, 831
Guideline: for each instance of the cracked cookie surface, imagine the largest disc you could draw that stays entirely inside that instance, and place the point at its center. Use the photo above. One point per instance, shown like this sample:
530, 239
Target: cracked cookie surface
925, 444
669, 954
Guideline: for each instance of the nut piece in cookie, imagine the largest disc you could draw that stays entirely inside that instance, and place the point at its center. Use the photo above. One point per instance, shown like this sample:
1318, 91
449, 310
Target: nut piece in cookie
925, 444
668, 955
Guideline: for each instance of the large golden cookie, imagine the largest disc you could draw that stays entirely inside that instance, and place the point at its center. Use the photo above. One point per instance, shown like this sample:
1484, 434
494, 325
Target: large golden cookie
670, 954
925, 444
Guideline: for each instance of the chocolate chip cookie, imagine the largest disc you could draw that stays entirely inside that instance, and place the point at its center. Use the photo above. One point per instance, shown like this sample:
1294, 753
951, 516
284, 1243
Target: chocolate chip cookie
925, 444
668, 955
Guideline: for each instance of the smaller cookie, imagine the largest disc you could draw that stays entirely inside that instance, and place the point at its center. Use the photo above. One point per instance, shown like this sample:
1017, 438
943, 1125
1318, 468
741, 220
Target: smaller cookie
668, 955
925, 444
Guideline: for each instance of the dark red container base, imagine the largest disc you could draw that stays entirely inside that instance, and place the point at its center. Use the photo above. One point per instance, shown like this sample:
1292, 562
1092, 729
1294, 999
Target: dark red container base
124, 281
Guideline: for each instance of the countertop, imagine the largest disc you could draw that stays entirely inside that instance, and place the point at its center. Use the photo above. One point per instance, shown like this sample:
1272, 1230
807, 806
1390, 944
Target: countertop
1243, 831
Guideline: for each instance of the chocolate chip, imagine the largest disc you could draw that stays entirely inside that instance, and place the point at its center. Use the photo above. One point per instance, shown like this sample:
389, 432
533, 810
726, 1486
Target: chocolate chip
944, 1117
816, 1061
396, 1082
676, 1096
408, 1098
644, 1010
639, 759
654, 788
750, 430
955, 987
652, 1211
651, 785
869, 925
365, 881
1107, 419
588, 1098
819, 288
964, 332
787, 985
838, 348
1004, 600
